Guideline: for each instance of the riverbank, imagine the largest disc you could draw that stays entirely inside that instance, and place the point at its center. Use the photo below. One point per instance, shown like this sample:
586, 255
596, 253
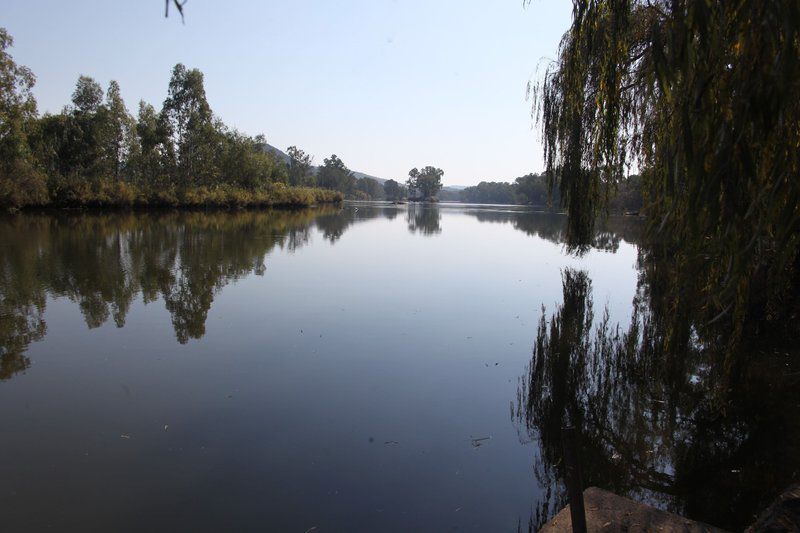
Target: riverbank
122, 194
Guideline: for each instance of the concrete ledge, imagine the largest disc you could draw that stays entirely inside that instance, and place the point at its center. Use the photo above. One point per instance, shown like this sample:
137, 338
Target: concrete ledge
606, 512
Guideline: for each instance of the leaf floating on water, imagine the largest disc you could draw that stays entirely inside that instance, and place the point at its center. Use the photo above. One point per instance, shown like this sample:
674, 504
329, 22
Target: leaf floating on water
477, 442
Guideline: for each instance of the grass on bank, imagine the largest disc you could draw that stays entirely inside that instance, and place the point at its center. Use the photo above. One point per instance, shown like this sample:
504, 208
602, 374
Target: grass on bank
107, 193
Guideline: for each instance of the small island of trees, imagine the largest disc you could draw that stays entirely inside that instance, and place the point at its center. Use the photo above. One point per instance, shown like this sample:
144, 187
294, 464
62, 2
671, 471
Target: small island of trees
424, 184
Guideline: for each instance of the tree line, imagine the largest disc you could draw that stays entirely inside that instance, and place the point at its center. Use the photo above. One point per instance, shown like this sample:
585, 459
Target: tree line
421, 184
95, 152
533, 189
333, 174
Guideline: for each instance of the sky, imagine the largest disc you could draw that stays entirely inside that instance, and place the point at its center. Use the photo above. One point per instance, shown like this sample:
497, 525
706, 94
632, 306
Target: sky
387, 85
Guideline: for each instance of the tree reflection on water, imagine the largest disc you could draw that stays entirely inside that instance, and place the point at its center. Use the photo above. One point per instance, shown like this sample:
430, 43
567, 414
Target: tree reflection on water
668, 413
104, 261
662, 422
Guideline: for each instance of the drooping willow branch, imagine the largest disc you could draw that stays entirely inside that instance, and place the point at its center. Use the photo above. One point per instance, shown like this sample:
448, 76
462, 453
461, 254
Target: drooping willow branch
178, 5
702, 98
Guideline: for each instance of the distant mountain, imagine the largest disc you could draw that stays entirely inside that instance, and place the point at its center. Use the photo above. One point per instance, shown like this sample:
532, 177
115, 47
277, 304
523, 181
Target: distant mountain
280, 154
360, 175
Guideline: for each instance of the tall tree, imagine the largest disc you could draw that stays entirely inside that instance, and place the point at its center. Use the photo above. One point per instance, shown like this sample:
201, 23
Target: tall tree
189, 123
78, 135
87, 96
20, 181
152, 144
119, 130
299, 167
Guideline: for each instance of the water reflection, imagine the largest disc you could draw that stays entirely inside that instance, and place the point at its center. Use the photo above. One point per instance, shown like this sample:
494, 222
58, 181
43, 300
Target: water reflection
424, 219
553, 227
333, 224
351, 353
662, 422
103, 262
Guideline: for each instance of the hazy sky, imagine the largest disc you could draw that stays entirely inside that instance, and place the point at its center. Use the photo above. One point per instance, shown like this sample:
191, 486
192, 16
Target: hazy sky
385, 84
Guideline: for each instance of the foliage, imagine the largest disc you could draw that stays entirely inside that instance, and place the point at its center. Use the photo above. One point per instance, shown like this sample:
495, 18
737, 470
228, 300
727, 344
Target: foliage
119, 135
449, 194
489, 192
20, 179
333, 174
299, 167
532, 189
393, 191
371, 188
191, 136
426, 182
628, 194
704, 97
95, 153
87, 96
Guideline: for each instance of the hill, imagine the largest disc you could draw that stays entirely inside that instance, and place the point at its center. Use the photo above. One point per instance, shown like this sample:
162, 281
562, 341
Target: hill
283, 156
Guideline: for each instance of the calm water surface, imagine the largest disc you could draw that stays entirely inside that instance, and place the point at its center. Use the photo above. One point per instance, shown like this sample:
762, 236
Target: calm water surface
344, 370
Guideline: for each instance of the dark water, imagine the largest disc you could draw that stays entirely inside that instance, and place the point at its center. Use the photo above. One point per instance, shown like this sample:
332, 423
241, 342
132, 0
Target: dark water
363, 369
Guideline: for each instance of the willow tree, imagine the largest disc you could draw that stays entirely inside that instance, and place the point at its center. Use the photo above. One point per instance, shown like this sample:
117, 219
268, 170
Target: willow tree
704, 98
